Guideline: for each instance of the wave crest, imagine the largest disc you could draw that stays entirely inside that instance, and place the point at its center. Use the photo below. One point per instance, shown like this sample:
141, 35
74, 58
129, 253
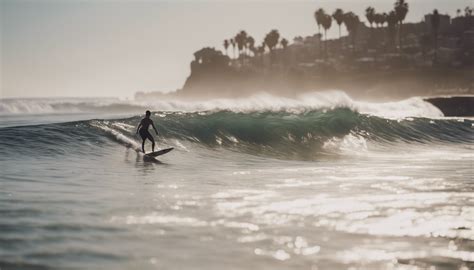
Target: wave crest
413, 107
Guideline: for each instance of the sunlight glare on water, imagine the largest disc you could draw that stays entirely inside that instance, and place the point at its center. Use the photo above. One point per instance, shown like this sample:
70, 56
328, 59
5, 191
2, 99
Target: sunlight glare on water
355, 202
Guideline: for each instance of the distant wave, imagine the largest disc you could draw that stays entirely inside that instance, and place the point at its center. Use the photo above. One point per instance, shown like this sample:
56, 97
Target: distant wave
413, 107
285, 134
68, 105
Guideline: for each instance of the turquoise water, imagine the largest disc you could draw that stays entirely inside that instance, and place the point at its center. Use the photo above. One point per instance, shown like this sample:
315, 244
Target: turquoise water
261, 189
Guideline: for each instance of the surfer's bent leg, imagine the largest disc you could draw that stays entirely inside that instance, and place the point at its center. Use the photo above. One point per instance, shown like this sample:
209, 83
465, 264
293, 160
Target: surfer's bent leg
152, 142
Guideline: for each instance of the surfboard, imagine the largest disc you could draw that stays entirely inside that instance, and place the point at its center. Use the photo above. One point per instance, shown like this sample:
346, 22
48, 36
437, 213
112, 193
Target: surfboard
159, 153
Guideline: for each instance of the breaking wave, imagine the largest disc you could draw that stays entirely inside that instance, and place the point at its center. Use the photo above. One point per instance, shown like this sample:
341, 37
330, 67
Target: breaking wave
286, 134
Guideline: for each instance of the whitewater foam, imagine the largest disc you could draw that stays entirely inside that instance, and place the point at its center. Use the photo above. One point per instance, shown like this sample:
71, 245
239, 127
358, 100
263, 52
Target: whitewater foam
118, 136
412, 107
352, 144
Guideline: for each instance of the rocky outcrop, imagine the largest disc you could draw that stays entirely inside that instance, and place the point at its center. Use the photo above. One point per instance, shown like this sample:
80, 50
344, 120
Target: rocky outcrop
461, 106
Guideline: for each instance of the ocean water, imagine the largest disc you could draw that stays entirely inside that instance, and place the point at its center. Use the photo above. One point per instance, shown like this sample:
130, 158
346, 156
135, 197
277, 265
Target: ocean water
316, 182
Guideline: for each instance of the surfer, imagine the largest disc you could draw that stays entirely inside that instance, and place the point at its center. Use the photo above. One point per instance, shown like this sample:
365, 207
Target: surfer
144, 133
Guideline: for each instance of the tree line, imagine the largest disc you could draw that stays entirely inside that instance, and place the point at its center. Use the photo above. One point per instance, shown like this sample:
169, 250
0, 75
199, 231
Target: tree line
245, 44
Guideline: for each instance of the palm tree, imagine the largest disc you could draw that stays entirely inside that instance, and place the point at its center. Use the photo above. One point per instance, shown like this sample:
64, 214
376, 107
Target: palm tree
371, 18
458, 12
384, 18
468, 12
338, 15
351, 21
238, 44
392, 21
379, 19
401, 10
261, 52
376, 20
284, 43
435, 26
370, 15
319, 16
226, 45
326, 23
251, 43
271, 40
241, 39
232, 41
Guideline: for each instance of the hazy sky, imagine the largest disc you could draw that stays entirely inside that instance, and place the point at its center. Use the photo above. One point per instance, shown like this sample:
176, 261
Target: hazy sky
115, 48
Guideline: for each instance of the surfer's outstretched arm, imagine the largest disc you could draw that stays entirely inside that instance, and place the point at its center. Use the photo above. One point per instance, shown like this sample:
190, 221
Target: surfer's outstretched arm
153, 125
139, 126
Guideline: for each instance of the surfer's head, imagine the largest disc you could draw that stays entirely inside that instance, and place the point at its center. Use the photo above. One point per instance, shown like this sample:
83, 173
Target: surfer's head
147, 113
